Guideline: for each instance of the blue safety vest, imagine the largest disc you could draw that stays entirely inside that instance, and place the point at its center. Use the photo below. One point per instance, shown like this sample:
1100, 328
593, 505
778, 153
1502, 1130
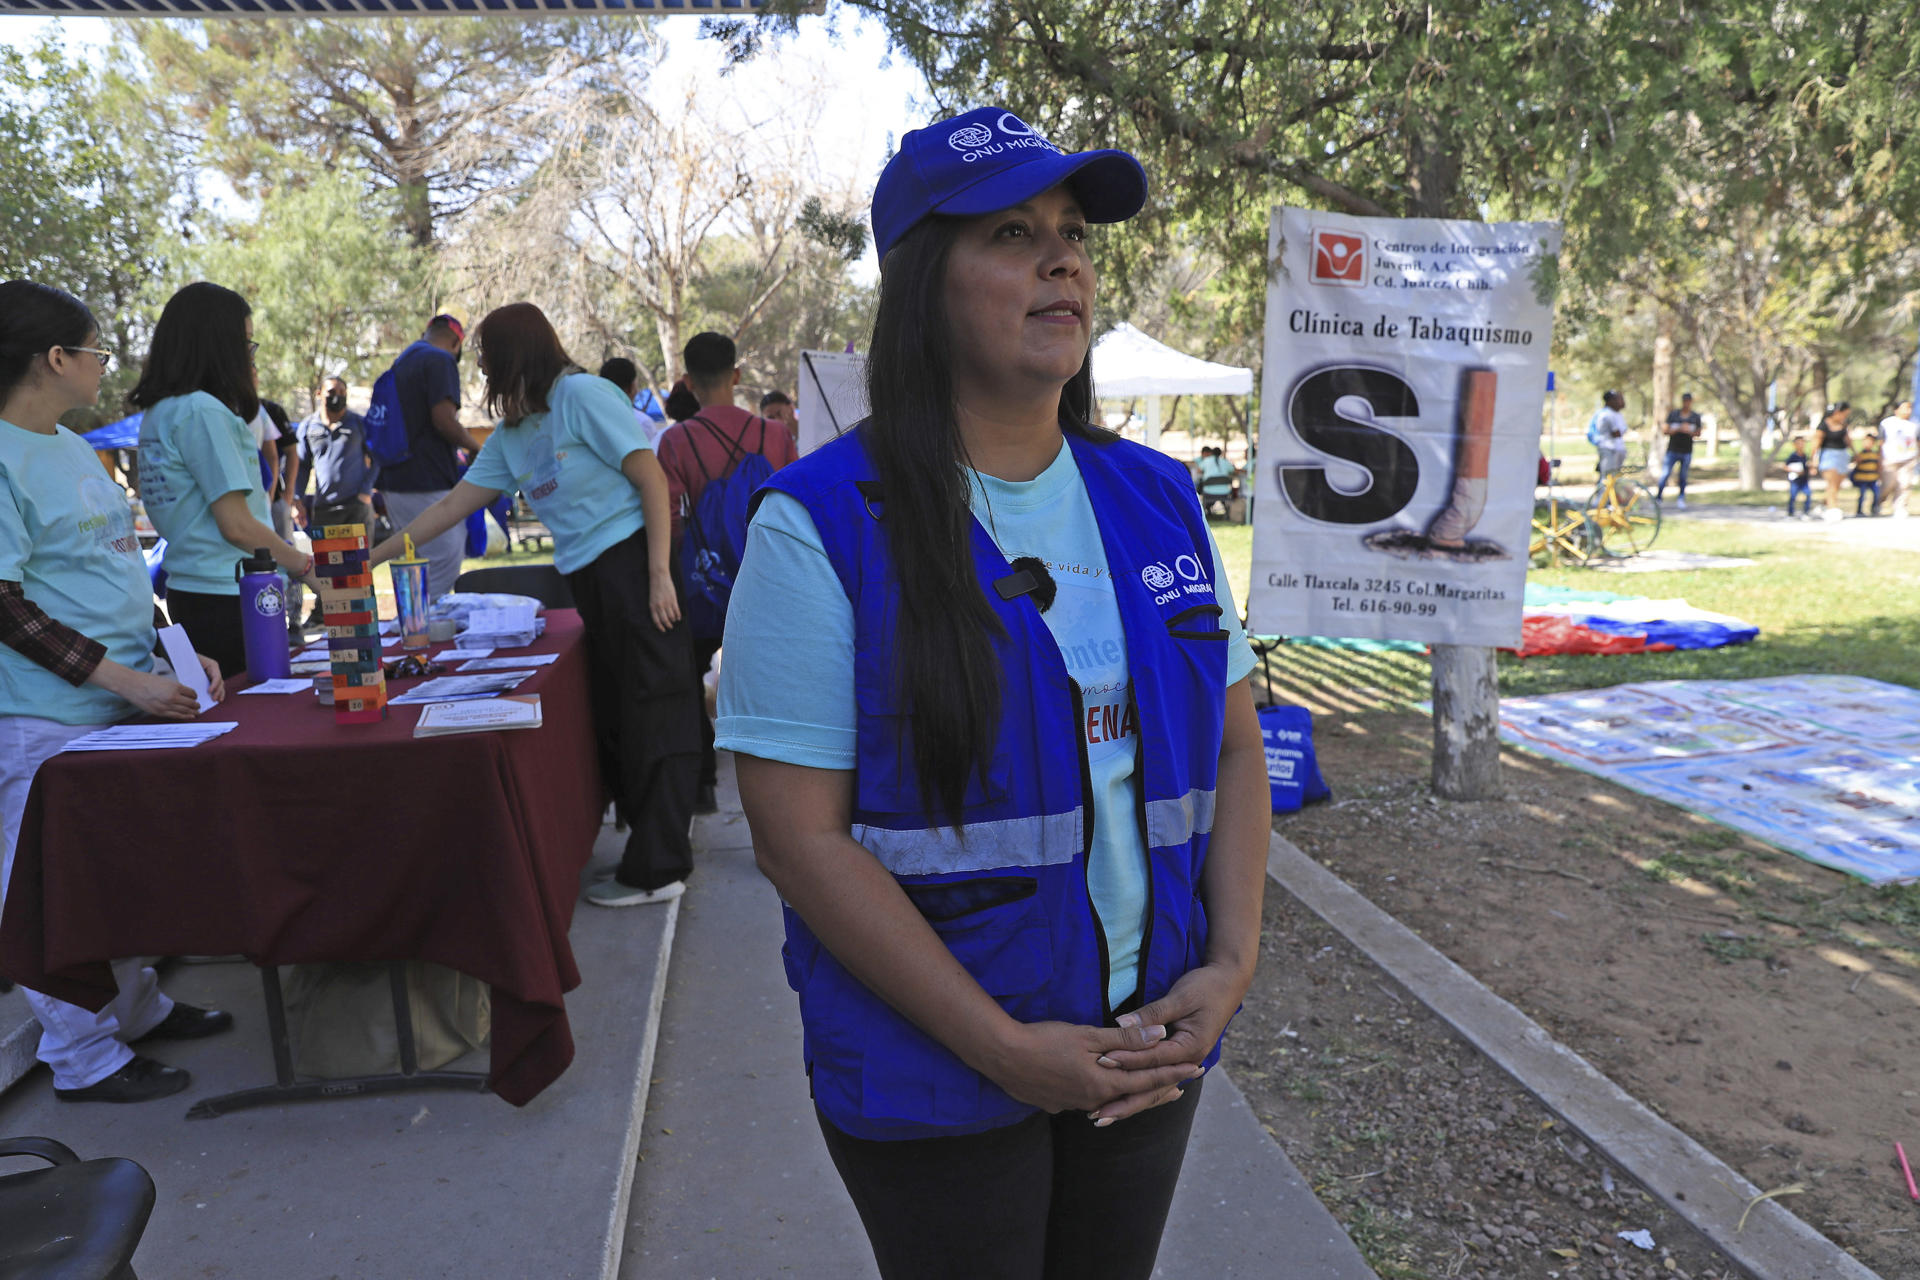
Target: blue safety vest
1007, 891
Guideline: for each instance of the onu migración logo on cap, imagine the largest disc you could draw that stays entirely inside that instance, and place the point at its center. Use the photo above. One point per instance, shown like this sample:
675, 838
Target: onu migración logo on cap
969, 137
976, 141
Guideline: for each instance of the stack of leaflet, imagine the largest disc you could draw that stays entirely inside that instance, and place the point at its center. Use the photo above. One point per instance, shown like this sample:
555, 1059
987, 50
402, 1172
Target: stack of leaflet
489, 684
150, 737
1559, 620
511, 627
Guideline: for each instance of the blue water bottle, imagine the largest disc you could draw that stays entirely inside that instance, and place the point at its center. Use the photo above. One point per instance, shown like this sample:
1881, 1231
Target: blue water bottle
263, 617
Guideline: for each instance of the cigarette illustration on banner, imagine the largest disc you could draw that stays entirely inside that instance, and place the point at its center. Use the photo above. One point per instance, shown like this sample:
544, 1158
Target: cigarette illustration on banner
1446, 537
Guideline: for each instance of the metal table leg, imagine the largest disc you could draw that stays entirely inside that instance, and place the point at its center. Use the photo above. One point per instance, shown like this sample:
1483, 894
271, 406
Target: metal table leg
287, 1089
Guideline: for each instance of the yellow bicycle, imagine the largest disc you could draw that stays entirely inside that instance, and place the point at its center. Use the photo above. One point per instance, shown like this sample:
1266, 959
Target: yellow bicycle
1623, 516
1561, 534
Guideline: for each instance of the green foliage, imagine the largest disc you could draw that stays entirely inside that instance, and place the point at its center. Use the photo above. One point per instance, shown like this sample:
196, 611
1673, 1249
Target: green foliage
93, 193
1672, 139
843, 233
436, 110
816, 308
332, 279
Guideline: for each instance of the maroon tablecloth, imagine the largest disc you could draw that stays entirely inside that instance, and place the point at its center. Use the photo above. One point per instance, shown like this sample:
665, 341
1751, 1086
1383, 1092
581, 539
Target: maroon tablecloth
293, 839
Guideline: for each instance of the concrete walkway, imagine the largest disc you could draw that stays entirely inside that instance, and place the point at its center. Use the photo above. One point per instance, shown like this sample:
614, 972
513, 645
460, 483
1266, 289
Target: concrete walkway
397, 1185
734, 1181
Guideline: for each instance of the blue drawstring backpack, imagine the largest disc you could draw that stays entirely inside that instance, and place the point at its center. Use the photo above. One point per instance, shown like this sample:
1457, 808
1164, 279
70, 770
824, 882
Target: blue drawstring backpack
716, 531
1293, 773
386, 425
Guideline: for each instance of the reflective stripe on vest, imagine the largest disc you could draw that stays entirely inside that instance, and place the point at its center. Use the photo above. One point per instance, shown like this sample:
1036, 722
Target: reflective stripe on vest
1042, 841
1178, 821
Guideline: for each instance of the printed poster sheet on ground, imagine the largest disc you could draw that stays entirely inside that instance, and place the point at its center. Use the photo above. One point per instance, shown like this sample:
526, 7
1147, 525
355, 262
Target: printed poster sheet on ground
1405, 365
1827, 767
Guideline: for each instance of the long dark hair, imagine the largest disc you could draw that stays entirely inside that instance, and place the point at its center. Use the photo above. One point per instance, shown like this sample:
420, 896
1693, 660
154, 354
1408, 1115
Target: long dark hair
523, 357
949, 674
35, 318
200, 344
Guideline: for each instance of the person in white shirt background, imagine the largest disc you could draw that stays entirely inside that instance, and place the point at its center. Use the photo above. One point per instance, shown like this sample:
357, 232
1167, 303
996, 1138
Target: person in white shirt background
1899, 456
1610, 432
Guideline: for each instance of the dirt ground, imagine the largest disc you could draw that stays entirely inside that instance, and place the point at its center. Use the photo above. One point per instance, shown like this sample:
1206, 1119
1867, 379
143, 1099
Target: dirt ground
1767, 1006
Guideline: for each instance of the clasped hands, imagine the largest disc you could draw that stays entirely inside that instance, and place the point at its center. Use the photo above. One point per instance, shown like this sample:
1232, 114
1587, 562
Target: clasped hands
1115, 1072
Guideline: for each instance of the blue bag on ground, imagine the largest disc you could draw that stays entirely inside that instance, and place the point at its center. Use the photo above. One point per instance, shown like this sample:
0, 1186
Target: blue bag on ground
386, 425
1293, 774
716, 532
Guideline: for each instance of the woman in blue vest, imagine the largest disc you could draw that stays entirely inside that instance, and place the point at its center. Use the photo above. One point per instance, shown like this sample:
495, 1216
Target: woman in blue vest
567, 439
76, 652
200, 464
1017, 809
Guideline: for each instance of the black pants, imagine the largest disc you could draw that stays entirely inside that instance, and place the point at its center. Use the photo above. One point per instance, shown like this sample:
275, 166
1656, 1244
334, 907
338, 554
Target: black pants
1050, 1198
213, 624
703, 651
645, 713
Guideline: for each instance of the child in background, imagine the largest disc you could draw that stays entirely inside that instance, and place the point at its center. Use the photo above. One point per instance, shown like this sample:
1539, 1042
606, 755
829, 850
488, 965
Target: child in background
1799, 484
1866, 477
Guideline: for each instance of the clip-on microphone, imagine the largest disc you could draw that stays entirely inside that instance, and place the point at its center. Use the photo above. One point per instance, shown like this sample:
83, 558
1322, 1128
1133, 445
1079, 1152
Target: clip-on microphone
1029, 577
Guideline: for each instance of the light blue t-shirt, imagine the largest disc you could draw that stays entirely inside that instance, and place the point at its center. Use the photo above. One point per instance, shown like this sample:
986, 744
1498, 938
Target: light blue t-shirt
193, 449
567, 463
790, 615
66, 536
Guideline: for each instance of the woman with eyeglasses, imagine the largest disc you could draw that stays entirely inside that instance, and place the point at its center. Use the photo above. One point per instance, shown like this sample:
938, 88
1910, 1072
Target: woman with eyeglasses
199, 467
76, 652
1017, 808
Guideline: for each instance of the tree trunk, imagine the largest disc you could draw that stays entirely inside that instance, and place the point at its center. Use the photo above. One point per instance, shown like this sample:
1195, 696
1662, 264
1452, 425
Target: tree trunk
1466, 723
1466, 688
1663, 393
1753, 456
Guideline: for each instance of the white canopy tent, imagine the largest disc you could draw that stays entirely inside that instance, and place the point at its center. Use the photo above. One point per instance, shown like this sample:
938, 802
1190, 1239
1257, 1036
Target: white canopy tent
1128, 364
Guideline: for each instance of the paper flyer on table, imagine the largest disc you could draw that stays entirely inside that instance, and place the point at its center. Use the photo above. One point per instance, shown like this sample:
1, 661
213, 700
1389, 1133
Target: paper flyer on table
489, 684
507, 663
186, 664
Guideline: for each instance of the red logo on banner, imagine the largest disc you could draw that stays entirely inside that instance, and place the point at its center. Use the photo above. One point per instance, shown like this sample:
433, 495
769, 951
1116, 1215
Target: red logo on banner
1339, 257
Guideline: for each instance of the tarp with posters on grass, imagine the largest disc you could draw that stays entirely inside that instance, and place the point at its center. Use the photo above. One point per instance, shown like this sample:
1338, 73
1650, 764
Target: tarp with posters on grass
1827, 767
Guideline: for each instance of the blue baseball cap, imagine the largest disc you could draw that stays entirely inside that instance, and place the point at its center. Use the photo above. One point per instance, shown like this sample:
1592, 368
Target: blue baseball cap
989, 159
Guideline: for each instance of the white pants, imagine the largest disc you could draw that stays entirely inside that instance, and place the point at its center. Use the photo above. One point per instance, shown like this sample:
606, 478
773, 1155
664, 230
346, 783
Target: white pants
445, 554
81, 1047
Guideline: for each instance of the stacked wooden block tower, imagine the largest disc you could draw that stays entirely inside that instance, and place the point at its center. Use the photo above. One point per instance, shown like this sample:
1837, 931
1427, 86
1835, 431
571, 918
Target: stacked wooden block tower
352, 618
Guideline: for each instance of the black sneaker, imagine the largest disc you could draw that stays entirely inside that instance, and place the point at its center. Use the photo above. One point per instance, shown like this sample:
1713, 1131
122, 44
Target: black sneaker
141, 1080
704, 800
188, 1022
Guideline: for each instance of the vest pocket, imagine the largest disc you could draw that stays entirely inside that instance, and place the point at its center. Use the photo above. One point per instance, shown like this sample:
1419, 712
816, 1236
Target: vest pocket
1008, 948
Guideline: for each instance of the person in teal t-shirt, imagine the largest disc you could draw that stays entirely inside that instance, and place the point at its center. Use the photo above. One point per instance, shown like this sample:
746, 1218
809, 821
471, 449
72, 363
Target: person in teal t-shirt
76, 651
568, 442
199, 464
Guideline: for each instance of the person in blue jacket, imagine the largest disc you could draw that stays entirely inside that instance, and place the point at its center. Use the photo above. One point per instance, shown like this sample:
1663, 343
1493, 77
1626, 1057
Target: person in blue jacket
76, 652
568, 441
1017, 809
200, 465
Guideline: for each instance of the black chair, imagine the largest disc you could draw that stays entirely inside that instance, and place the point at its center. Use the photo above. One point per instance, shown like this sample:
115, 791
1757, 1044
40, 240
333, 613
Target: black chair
77, 1220
541, 581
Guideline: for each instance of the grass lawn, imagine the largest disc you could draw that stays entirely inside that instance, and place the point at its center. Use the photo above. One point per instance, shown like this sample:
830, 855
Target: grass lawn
505, 558
1822, 607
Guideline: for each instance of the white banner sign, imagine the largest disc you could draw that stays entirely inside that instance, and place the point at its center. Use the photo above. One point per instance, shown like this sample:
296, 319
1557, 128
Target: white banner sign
833, 395
1405, 364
